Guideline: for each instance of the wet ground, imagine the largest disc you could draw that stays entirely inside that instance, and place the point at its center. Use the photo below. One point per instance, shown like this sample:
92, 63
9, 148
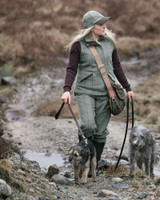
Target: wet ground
46, 140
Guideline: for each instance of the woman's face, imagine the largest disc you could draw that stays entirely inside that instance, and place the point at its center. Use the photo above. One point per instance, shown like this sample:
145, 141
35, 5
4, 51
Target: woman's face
99, 29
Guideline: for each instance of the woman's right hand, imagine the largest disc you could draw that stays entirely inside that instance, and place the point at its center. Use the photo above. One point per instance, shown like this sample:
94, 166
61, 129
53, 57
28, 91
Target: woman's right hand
66, 97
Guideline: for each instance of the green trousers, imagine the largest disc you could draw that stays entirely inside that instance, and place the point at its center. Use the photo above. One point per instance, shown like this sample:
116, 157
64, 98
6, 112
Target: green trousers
94, 116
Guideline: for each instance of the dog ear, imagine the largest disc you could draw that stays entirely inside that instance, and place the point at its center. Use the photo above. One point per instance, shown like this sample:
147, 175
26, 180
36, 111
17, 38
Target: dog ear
71, 150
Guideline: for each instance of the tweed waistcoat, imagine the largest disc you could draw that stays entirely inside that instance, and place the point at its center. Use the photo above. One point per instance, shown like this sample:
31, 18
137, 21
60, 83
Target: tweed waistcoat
89, 80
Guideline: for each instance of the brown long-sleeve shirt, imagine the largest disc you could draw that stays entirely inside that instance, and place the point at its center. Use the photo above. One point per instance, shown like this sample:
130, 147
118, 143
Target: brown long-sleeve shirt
71, 70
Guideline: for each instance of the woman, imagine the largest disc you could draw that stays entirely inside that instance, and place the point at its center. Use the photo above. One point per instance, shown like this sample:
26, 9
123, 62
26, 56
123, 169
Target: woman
90, 89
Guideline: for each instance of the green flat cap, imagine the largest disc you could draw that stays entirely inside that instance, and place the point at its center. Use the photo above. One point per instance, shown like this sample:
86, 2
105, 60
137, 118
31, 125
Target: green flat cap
93, 17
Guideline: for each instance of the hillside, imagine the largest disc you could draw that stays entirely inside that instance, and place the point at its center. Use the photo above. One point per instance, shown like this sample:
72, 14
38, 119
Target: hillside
35, 32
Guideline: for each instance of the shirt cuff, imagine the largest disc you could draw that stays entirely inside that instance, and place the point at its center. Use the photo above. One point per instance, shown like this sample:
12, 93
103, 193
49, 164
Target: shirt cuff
128, 88
66, 89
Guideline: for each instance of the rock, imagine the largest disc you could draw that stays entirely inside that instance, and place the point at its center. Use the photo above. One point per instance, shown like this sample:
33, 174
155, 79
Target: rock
157, 137
117, 180
123, 157
142, 195
52, 184
68, 175
131, 189
5, 189
103, 163
28, 197
121, 186
52, 170
146, 181
59, 179
16, 158
123, 162
151, 187
43, 198
104, 193
7, 80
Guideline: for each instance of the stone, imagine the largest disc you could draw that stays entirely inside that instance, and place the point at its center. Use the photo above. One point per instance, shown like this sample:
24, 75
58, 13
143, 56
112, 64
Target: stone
117, 180
52, 170
121, 186
59, 179
43, 198
5, 189
103, 163
142, 195
7, 80
104, 193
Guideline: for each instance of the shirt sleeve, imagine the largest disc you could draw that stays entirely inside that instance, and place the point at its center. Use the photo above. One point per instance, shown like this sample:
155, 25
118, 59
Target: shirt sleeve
118, 71
71, 70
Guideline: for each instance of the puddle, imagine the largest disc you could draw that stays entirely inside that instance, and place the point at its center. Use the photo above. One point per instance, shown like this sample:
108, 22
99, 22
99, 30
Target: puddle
43, 160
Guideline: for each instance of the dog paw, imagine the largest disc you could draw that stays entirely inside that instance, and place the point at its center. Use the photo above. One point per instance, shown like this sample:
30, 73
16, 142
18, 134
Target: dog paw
76, 182
83, 181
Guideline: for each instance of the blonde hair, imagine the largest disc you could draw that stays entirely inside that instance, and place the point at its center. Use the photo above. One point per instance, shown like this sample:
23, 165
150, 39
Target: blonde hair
84, 32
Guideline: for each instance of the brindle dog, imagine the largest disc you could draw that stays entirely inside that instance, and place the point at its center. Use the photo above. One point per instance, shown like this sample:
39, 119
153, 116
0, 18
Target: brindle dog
83, 156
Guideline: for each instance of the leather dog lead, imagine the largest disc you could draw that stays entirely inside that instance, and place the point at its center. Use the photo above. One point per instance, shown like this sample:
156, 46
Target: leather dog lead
80, 130
127, 121
59, 111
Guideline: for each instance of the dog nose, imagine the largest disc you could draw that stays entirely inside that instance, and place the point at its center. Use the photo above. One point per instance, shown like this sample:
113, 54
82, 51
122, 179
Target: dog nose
136, 142
70, 159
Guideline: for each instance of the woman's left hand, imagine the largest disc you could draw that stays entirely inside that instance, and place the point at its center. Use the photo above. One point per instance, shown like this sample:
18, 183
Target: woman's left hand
130, 95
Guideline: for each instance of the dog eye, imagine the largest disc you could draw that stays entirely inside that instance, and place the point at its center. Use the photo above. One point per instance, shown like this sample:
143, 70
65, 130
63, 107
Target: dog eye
142, 136
75, 155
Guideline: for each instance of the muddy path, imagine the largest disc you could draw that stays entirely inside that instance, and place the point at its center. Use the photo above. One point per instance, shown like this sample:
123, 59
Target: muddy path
47, 141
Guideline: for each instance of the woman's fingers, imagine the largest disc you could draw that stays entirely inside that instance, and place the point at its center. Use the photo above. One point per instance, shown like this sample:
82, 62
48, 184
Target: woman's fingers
66, 97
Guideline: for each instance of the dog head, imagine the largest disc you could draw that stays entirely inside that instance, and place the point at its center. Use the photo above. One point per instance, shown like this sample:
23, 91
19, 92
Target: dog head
78, 155
140, 136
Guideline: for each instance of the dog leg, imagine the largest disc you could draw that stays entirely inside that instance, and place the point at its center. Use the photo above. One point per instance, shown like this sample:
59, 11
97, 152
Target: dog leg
139, 163
152, 162
84, 178
147, 165
151, 167
132, 161
76, 174
93, 167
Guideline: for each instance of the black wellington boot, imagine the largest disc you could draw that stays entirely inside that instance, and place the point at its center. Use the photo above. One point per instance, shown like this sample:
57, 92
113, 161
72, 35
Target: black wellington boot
99, 150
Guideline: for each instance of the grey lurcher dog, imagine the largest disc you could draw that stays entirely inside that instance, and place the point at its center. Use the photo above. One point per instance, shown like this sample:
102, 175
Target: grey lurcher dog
142, 150
82, 156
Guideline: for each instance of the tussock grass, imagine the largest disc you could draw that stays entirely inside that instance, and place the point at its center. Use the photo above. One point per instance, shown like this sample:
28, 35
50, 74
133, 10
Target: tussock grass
50, 108
137, 179
120, 171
